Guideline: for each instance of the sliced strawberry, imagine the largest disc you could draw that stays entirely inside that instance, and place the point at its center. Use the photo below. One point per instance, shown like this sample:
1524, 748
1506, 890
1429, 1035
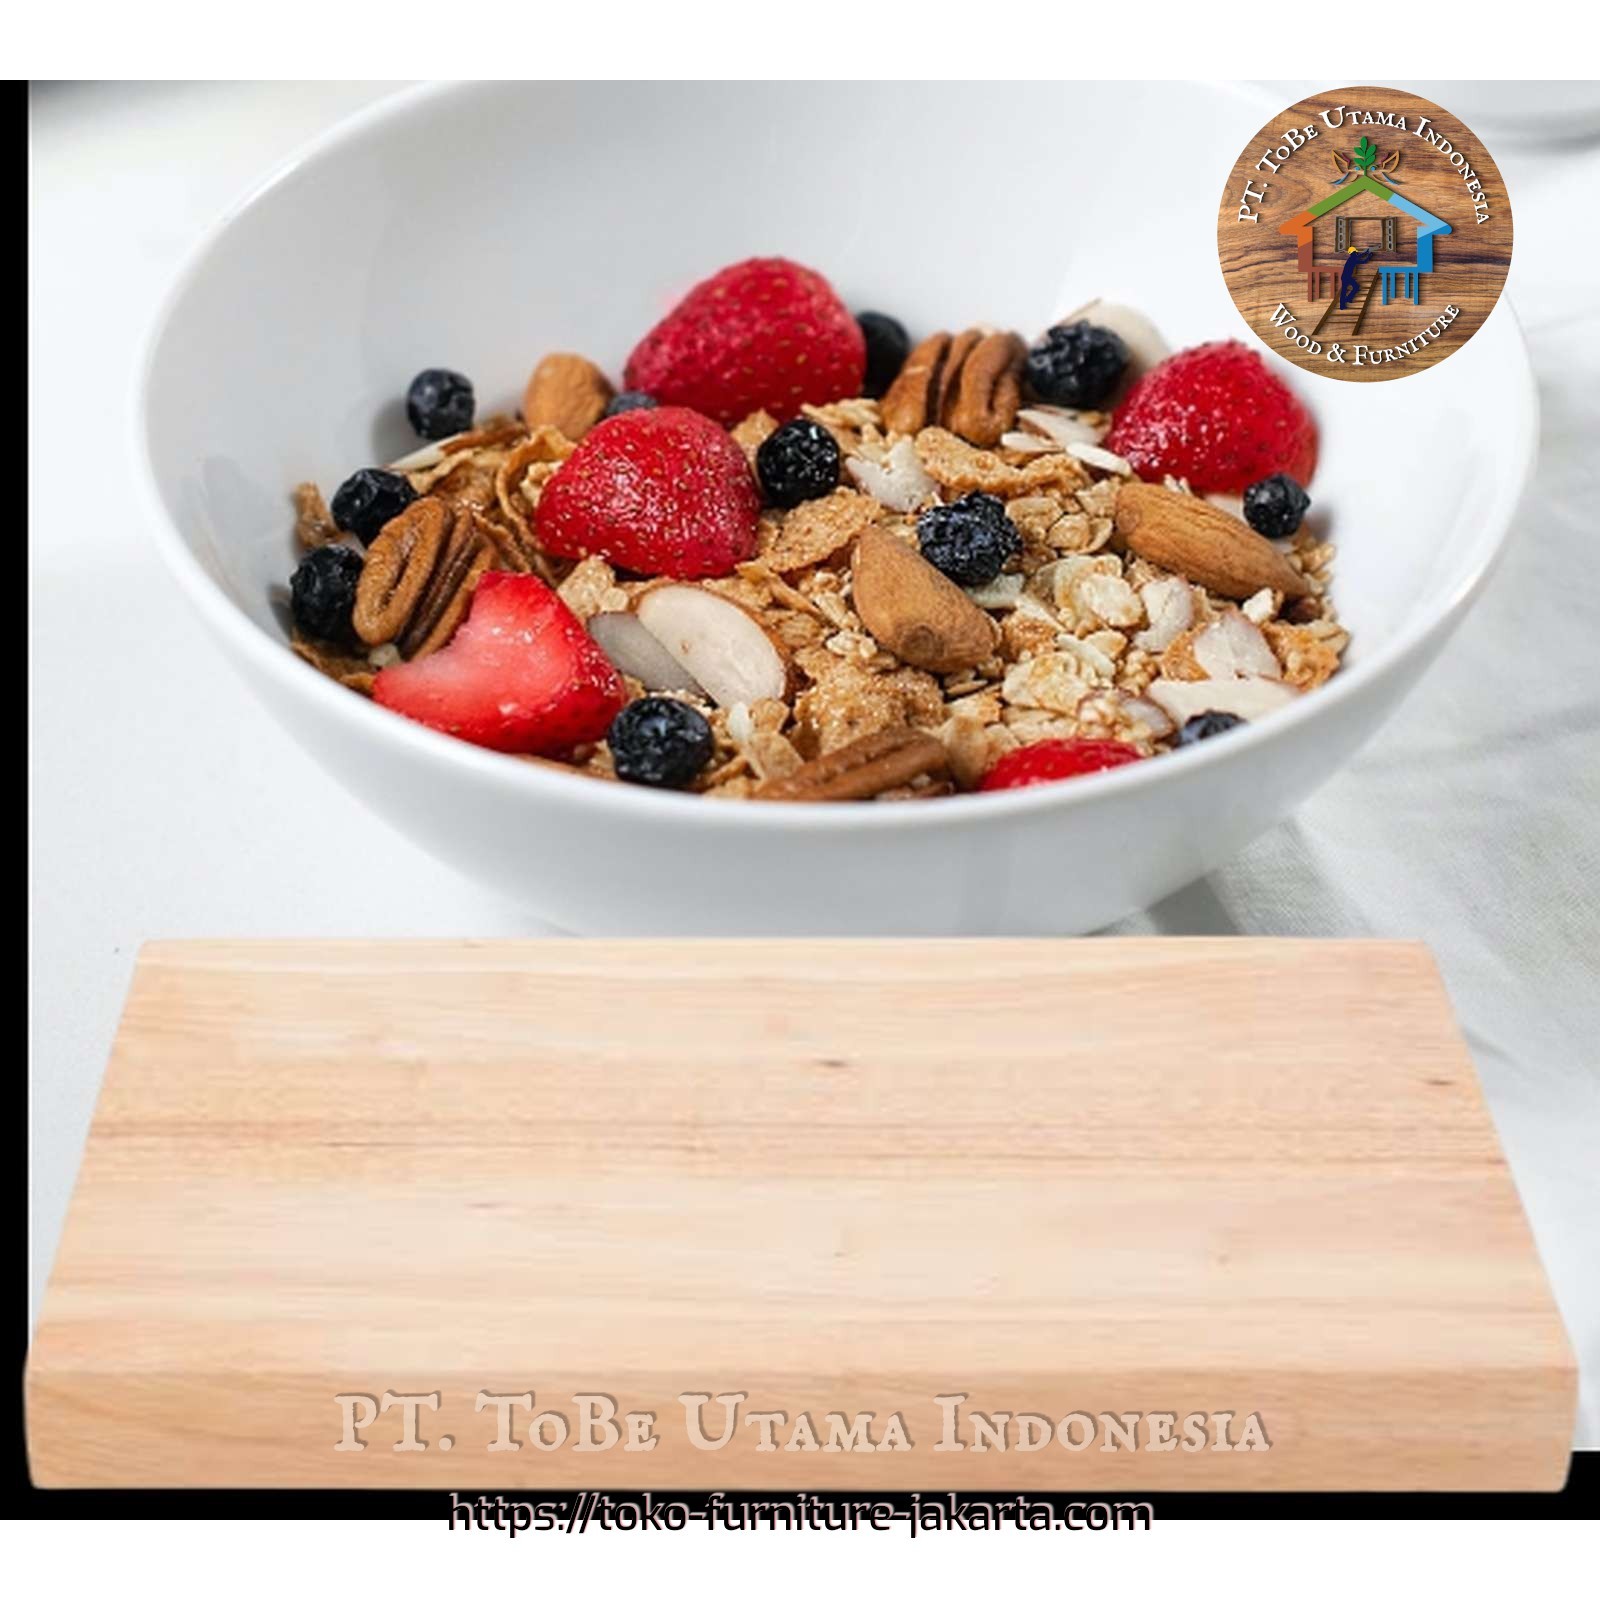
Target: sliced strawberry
659, 492
521, 675
765, 335
1218, 416
1052, 759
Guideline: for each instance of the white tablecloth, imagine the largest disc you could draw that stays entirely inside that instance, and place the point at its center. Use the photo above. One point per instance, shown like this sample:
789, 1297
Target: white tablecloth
166, 803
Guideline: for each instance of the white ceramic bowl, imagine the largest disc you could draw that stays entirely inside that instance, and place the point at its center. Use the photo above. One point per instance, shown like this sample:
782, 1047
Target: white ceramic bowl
479, 227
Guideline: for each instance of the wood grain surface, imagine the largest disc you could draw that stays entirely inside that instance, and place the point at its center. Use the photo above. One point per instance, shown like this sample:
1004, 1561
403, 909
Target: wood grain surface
1265, 270
1098, 1176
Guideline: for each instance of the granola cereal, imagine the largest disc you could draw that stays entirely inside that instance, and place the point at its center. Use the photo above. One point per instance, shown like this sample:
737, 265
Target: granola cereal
737, 542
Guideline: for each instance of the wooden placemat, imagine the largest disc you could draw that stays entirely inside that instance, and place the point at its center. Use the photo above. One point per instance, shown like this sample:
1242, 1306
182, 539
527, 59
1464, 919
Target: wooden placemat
1109, 1186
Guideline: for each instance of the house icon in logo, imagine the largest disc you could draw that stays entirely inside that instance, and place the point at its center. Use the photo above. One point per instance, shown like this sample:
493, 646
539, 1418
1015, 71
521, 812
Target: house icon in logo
1354, 239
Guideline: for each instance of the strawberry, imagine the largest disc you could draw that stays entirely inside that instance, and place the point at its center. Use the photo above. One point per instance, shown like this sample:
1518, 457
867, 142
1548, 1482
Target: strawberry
661, 492
765, 335
1051, 759
1218, 416
520, 675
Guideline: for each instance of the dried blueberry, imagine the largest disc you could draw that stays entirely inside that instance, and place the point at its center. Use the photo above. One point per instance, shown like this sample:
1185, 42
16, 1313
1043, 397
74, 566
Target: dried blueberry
888, 345
660, 742
369, 498
800, 461
1077, 364
1207, 726
1275, 506
439, 403
322, 593
630, 400
970, 540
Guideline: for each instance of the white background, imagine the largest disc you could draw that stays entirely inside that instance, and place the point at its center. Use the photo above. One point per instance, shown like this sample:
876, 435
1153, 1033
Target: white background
166, 803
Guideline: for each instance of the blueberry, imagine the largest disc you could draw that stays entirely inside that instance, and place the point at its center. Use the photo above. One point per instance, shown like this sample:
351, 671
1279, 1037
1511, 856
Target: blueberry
970, 540
798, 462
888, 345
630, 400
369, 498
439, 403
1207, 725
1275, 506
663, 743
1077, 364
322, 593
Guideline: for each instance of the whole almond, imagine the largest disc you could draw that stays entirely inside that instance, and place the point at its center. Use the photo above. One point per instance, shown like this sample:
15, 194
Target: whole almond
912, 609
566, 392
1197, 541
866, 767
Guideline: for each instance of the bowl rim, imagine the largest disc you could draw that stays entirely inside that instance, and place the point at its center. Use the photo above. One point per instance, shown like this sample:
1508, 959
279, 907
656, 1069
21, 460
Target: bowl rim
635, 802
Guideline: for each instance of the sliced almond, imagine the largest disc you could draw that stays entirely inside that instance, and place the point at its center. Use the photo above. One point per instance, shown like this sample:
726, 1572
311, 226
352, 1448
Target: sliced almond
717, 642
1234, 647
999, 594
1262, 606
1199, 542
1063, 427
1148, 715
1249, 698
633, 649
1029, 444
423, 457
1169, 604
912, 609
1091, 455
898, 482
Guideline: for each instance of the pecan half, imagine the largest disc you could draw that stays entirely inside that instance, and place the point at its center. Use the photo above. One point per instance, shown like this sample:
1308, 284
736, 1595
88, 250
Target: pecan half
912, 399
955, 360
866, 767
466, 556
988, 390
399, 565
969, 383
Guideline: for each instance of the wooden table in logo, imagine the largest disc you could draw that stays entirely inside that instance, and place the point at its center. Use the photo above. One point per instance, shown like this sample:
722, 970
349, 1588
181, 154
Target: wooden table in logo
834, 1215
1364, 234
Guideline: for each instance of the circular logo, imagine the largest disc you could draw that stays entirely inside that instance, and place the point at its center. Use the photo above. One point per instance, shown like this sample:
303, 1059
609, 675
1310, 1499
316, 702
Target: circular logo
1365, 234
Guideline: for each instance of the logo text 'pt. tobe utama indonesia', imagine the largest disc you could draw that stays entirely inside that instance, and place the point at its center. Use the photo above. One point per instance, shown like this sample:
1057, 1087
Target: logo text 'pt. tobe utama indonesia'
1364, 234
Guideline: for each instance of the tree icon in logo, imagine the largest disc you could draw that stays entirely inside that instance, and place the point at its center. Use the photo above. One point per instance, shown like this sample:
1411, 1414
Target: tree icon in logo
1362, 162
